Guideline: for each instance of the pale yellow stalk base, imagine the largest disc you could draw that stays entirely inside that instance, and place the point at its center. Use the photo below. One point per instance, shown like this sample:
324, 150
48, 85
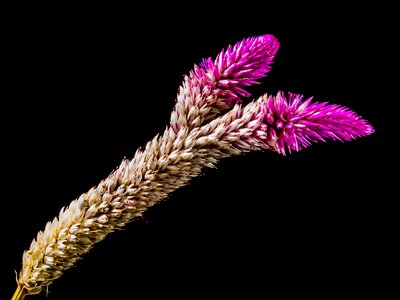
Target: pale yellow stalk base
19, 294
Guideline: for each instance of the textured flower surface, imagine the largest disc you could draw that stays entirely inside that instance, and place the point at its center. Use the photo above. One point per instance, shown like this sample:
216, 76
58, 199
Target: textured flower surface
218, 84
294, 124
207, 124
242, 65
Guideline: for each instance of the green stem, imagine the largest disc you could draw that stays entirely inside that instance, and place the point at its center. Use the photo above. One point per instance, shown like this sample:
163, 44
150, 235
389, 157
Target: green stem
19, 294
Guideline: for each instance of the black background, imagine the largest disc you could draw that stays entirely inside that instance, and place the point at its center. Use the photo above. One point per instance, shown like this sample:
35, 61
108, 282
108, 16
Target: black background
85, 87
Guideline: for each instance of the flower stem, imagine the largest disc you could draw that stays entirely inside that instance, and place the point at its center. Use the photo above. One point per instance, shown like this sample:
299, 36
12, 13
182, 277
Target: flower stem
19, 294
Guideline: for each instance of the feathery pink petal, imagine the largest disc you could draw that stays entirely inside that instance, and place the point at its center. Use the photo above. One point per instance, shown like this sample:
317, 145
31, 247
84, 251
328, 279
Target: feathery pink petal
293, 124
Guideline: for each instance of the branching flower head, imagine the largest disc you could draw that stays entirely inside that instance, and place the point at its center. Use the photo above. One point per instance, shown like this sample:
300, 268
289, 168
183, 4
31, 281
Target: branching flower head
207, 124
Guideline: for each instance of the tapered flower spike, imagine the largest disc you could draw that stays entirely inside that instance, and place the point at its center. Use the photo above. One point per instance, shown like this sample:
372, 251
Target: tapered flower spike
207, 124
242, 65
217, 85
294, 124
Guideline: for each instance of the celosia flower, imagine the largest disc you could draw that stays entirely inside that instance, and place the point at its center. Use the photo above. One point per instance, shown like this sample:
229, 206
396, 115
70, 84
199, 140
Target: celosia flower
207, 124
293, 124
217, 85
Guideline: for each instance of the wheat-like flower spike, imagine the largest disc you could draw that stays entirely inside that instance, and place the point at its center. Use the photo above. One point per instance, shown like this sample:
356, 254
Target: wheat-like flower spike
171, 159
294, 124
217, 85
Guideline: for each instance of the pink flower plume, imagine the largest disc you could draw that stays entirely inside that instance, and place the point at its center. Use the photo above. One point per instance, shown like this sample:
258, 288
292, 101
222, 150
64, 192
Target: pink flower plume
293, 124
241, 65
216, 85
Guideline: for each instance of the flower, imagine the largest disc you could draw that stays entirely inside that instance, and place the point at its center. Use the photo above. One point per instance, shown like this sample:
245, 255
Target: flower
293, 124
207, 124
217, 85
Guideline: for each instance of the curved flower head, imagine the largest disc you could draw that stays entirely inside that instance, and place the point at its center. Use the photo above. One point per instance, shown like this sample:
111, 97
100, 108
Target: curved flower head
293, 124
241, 65
206, 125
216, 85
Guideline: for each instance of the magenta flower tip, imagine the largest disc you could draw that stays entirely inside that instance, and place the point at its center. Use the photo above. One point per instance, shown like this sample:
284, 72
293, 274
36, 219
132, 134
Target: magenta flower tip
241, 65
293, 124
